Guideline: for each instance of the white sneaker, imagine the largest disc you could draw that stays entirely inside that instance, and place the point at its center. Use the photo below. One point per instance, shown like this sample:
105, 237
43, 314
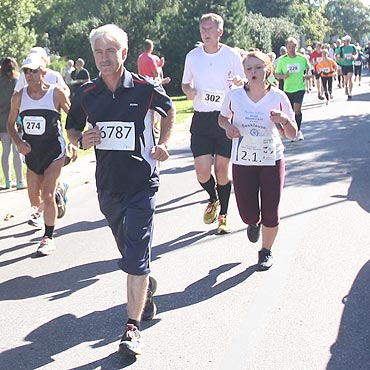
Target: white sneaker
46, 247
300, 136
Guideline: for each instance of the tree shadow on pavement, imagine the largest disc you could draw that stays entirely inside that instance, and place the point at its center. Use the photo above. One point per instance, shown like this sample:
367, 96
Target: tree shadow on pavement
105, 327
351, 350
333, 150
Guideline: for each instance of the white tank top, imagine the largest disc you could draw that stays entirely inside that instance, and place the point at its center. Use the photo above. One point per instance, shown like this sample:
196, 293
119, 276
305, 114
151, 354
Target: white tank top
46, 102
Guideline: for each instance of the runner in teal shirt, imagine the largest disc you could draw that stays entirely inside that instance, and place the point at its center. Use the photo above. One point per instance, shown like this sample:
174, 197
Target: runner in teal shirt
347, 54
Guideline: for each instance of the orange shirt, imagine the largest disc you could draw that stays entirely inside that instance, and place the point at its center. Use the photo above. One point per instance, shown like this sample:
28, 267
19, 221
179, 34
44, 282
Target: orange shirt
327, 67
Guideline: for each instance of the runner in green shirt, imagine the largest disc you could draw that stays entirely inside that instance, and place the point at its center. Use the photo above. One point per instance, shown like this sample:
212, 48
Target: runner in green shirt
294, 68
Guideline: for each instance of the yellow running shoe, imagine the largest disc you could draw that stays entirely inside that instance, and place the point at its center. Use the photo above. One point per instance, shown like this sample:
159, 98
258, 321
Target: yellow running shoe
210, 213
223, 225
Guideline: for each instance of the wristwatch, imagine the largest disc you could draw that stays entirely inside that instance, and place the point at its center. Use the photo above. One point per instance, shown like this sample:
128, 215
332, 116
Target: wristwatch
79, 143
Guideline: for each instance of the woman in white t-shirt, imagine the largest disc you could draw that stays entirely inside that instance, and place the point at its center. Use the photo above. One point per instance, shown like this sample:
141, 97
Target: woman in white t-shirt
255, 117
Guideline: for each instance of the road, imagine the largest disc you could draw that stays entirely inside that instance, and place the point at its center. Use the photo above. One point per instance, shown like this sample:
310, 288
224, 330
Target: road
309, 312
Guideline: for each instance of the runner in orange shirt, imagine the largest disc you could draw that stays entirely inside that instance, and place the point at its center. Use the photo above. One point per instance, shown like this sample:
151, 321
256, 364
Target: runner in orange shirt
327, 69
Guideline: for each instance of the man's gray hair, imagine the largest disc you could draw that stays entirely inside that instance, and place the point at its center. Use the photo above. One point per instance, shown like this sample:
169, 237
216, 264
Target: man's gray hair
109, 32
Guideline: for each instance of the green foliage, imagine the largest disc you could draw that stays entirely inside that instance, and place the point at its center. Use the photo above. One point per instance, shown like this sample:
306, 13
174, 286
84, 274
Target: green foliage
310, 18
57, 63
260, 34
348, 17
173, 25
17, 35
78, 34
272, 9
270, 33
281, 29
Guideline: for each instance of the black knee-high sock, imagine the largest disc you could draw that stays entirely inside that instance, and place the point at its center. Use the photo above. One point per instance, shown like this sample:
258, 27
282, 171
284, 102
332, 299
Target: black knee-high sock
224, 196
49, 230
298, 119
210, 188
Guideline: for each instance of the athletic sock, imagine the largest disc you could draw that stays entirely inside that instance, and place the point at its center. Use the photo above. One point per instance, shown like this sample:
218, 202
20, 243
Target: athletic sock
298, 119
224, 196
134, 322
210, 188
49, 230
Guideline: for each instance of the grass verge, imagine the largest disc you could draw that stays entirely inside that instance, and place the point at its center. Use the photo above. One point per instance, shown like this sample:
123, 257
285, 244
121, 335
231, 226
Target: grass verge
184, 110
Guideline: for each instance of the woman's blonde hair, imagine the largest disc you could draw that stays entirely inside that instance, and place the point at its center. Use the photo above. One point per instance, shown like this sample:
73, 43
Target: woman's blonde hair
262, 57
268, 63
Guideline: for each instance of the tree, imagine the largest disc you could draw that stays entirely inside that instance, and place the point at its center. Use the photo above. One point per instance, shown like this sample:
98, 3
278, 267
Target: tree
271, 9
309, 17
17, 35
348, 17
78, 34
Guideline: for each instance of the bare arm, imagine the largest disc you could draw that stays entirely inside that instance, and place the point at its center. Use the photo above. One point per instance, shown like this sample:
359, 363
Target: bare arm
189, 91
22, 146
160, 151
286, 126
230, 130
61, 100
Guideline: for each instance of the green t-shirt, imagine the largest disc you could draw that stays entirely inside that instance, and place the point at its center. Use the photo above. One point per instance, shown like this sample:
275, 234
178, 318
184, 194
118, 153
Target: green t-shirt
337, 56
347, 52
297, 67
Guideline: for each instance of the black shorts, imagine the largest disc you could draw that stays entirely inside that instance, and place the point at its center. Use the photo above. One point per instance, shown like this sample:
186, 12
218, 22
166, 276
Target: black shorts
296, 97
358, 70
44, 153
347, 69
207, 137
317, 75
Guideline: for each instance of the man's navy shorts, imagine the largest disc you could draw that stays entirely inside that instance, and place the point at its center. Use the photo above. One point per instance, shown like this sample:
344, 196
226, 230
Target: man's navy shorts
130, 217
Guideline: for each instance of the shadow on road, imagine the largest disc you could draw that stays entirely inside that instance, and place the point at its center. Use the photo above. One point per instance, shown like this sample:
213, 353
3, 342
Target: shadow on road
334, 150
59, 284
103, 327
351, 350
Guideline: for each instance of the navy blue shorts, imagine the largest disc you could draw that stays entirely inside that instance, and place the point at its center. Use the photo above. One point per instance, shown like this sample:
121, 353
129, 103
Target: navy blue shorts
130, 217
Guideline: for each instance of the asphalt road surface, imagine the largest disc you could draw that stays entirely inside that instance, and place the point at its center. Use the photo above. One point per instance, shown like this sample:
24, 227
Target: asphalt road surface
311, 311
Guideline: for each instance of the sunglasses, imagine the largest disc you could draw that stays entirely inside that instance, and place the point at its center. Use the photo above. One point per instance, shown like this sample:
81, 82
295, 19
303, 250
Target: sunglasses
28, 70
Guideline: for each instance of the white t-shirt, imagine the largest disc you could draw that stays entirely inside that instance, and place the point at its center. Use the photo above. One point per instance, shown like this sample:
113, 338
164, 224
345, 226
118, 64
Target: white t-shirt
51, 77
209, 74
253, 119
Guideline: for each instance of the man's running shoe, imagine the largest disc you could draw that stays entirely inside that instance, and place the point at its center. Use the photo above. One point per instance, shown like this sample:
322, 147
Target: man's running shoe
61, 198
36, 220
131, 343
223, 225
254, 232
210, 213
46, 247
265, 259
150, 308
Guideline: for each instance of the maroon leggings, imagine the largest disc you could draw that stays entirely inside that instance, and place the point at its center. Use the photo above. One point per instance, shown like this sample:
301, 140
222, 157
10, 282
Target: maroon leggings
258, 191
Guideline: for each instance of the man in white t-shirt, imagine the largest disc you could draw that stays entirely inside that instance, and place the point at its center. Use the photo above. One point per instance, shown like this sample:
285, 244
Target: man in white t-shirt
208, 74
